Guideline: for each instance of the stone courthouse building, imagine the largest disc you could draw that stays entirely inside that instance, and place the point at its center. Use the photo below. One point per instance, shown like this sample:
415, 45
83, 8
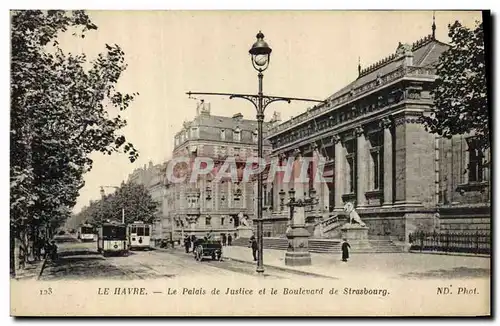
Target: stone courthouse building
209, 204
399, 177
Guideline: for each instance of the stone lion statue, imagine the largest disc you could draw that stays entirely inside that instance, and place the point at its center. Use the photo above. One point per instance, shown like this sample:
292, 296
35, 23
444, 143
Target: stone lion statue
353, 215
243, 219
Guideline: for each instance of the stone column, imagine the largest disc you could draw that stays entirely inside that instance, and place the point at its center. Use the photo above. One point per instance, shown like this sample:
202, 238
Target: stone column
338, 181
361, 165
320, 185
386, 124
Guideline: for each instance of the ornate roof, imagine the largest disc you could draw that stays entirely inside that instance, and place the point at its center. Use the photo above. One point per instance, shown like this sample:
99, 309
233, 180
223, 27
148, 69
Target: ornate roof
424, 53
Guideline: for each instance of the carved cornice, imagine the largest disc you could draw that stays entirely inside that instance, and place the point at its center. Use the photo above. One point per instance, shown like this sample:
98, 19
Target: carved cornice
408, 118
345, 97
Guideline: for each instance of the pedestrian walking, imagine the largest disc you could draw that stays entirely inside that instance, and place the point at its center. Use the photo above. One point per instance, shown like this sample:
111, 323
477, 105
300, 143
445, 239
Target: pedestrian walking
229, 239
187, 243
345, 250
193, 240
224, 239
255, 247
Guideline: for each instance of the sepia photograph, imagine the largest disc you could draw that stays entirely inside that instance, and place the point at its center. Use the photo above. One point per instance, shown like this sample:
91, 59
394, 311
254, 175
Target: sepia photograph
161, 164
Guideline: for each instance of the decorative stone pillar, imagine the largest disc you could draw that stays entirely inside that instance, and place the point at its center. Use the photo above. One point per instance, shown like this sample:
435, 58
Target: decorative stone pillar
297, 253
338, 181
386, 125
361, 166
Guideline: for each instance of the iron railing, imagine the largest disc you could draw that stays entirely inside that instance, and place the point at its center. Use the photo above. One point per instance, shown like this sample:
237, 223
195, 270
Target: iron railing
471, 242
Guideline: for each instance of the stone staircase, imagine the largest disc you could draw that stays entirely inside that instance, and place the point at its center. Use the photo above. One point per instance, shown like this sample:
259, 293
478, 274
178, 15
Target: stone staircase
326, 245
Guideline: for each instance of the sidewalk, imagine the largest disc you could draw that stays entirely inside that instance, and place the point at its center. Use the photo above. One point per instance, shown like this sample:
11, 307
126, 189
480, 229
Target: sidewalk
31, 272
324, 265
374, 266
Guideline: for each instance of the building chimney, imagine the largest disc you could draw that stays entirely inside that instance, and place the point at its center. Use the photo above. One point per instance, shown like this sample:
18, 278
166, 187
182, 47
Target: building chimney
238, 117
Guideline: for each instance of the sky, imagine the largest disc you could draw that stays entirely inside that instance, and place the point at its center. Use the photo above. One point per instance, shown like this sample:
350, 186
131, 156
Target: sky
169, 53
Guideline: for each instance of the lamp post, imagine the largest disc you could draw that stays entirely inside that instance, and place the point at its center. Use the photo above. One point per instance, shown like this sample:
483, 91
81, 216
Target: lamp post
298, 250
260, 53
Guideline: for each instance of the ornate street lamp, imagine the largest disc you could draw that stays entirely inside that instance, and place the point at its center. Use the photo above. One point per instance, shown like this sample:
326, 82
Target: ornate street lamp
261, 53
261, 56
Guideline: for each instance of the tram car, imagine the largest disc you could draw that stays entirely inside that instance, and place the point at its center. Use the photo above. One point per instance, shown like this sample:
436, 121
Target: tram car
86, 232
112, 239
139, 235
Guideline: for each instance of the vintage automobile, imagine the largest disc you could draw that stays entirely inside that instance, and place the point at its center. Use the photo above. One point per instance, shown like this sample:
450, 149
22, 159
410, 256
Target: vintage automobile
207, 248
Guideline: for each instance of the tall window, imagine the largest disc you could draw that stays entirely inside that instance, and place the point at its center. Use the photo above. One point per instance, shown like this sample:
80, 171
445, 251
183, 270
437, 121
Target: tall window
208, 220
237, 134
223, 134
192, 202
255, 136
310, 175
270, 201
476, 156
376, 155
351, 165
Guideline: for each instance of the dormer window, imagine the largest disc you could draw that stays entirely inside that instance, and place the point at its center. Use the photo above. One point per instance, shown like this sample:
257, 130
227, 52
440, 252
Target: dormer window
223, 134
255, 135
237, 134
194, 132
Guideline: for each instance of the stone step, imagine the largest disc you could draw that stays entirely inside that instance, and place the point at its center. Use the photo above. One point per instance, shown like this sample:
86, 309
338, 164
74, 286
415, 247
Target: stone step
326, 246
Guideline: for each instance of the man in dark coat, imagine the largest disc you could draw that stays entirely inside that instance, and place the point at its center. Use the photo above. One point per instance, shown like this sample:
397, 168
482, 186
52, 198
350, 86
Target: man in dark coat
345, 250
255, 247
229, 239
187, 243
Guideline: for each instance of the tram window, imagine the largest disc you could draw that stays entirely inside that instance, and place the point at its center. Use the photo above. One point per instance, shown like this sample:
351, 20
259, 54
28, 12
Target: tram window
146, 231
140, 231
134, 230
111, 232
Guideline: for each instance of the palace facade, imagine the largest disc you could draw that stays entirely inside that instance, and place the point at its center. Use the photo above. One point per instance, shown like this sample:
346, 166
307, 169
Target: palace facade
370, 134
208, 204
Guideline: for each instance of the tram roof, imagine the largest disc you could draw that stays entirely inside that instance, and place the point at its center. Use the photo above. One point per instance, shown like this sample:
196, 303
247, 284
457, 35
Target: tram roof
113, 224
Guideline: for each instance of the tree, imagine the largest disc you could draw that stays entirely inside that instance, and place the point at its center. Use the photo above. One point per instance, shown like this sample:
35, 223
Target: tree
134, 199
460, 91
60, 114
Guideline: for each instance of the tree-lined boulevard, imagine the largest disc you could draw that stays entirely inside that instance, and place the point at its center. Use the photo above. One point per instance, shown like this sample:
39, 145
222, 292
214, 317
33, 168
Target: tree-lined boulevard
65, 108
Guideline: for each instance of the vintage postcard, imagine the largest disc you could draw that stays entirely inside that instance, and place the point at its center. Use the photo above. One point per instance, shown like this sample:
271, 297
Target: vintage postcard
250, 163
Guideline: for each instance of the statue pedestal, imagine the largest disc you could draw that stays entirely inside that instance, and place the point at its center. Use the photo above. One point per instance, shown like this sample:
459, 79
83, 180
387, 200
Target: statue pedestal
297, 253
356, 235
244, 231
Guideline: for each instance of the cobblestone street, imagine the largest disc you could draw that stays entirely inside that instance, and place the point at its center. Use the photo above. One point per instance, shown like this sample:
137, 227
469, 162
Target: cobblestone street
82, 261
79, 260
